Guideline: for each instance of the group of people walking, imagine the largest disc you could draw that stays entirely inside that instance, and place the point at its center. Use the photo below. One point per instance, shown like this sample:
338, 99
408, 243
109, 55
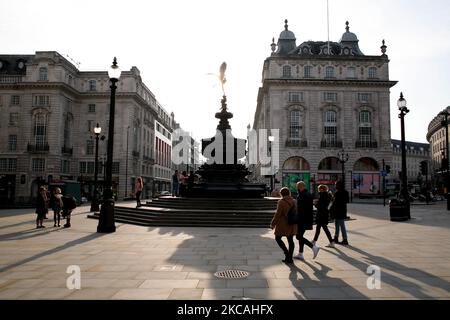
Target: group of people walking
61, 206
327, 204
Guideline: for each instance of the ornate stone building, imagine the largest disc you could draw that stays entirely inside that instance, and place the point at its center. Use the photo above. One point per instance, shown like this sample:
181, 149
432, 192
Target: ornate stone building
49, 110
415, 153
324, 97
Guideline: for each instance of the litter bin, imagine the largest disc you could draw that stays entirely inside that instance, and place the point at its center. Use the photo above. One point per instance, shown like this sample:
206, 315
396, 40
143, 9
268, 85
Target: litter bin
399, 210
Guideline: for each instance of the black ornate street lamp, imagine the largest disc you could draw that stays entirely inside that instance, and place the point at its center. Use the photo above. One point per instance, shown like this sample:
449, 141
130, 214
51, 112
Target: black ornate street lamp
401, 103
94, 202
343, 158
444, 123
106, 218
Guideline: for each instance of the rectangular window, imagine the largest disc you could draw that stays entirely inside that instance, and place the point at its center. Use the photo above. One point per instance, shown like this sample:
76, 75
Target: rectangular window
330, 96
3, 164
307, 71
38, 165
12, 142
295, 96
15, 100
43, 74
295, 127
1, 100
115, 167
91, 108
92, 85
330, 134
329, 72
65, 166
41, 101
90, 167
13, 118
83, 167
286, 71
90, 125
90, 147
364, 97
372, 73
9, 165
365, 135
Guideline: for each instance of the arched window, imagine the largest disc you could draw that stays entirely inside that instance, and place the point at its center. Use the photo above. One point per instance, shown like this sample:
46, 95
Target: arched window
330, 128
43, 74
329, 72
287, 72
40, 129
365, 129
295, 127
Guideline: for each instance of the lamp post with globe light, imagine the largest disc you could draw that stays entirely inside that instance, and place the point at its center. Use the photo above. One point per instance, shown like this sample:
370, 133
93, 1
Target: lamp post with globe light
401, 103
106, 219
95, 201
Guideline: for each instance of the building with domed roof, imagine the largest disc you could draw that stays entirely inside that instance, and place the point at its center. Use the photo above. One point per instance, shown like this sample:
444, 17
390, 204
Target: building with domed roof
325, 97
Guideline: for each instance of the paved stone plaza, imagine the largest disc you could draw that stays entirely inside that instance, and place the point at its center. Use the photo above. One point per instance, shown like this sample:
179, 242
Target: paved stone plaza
179, 263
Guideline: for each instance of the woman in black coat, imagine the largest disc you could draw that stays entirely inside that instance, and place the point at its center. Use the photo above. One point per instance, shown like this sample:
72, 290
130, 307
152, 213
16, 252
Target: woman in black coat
41, 207
339, 208
323, 214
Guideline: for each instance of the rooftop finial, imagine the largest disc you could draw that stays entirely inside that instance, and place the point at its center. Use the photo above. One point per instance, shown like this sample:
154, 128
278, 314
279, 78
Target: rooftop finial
347, 27
285, 24
273, 46
383, 48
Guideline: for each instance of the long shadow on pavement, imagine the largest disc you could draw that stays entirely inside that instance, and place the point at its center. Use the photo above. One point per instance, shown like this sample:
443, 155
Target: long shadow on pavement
401, 284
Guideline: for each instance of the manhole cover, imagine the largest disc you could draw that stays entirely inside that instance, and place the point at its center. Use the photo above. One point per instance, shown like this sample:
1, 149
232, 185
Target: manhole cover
232, 274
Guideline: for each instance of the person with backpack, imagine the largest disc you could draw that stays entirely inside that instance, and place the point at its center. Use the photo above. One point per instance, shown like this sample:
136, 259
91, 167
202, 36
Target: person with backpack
69, 203
281, 224
304, 219
323, 214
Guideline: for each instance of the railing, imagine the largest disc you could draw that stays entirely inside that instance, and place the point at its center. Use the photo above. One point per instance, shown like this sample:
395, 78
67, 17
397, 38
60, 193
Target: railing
38, 148
10, 79
296, 143
67, 150
330, 144
366, 144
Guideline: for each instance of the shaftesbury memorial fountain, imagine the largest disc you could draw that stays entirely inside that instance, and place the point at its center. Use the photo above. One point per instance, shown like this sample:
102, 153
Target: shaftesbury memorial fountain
222, 176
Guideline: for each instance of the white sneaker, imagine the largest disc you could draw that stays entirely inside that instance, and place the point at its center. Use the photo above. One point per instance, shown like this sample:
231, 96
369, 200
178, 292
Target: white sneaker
300, 257
315, 250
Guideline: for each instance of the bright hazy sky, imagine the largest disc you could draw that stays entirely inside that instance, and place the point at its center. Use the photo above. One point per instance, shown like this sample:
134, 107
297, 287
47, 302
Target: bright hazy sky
176, 43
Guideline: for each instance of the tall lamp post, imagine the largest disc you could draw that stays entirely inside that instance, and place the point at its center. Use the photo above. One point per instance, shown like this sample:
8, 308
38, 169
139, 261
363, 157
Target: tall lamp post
272, 174
343, 158
94, 203
401, 103
106, 218
126, 167
444, 122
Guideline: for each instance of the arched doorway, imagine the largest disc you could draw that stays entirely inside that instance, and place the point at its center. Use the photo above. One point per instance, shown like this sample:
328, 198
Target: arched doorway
329, 172
295, 169
366, 179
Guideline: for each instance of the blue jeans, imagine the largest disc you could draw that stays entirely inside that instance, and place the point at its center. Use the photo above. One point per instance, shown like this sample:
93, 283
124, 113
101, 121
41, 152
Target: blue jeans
340, 223
175, 189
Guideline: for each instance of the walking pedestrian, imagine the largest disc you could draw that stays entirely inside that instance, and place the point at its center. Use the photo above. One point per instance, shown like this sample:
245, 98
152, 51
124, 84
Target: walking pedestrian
41, 207
339, 211
138, 187
323, 214
57, 205
305, 219
281, 226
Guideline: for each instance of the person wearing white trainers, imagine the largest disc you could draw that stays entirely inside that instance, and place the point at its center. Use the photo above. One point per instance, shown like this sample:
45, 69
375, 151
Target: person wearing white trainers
323, 213
305, 218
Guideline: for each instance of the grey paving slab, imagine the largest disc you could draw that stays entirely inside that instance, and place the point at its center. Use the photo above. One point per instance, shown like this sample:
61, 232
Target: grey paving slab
179, 263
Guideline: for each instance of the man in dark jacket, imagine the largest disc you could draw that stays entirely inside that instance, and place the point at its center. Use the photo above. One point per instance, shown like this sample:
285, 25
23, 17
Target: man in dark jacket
305, 219
339, 211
